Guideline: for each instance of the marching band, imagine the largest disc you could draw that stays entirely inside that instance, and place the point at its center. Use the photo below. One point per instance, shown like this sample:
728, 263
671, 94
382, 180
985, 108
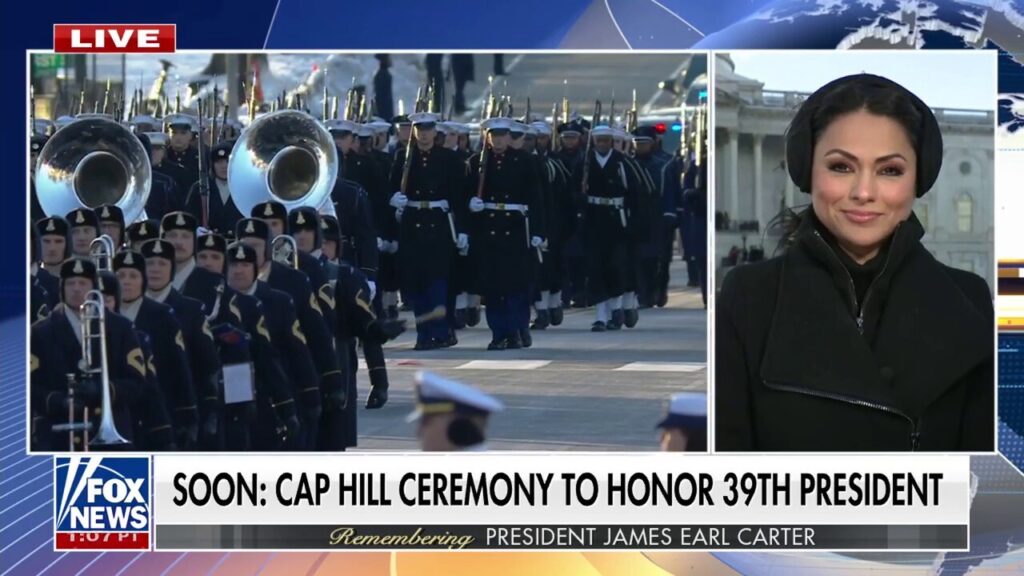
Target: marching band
210, 289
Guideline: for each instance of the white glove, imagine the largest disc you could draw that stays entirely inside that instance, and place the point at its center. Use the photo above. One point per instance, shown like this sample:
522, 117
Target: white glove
536, 241
476, 205
380, 244
373, 289
462, 242
393, 246
399, 200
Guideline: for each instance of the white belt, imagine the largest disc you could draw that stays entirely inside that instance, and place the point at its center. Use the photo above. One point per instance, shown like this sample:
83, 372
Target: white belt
501, 206
600, 201
428, 204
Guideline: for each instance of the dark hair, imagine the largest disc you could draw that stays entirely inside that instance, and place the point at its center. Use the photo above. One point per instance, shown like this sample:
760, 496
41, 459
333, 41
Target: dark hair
888, 100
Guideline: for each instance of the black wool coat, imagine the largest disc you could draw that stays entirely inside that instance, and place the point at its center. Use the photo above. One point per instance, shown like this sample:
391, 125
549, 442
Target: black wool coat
801, 365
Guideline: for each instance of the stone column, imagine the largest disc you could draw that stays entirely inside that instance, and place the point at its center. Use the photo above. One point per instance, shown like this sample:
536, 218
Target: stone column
758, 187
733, 174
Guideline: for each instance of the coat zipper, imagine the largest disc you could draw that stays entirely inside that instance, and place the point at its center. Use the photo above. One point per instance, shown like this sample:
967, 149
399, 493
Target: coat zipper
853, 289
915, 435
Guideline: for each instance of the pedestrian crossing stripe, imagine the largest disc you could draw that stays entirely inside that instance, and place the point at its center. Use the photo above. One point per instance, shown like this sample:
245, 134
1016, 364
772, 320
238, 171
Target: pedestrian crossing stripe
661, 367
503, 365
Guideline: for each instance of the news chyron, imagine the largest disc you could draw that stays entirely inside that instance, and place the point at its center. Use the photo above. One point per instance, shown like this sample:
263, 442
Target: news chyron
101, 503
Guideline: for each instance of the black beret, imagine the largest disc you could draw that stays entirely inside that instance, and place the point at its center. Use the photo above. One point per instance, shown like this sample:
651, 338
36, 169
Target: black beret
110, 213
130, 259
82, 217
241, 252
252, 228
179, 220
52, 226
142, 231
158, 248
270, 209
212, 241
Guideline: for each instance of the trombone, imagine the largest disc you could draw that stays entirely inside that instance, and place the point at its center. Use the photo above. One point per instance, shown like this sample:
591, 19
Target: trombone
285, 250
101, 251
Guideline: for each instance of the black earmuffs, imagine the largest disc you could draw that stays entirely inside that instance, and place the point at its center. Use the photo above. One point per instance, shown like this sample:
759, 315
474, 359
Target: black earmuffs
800, 134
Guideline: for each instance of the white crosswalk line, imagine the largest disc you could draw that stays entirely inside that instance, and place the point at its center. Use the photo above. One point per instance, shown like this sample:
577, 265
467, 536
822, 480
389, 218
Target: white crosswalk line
661, 367
503, 365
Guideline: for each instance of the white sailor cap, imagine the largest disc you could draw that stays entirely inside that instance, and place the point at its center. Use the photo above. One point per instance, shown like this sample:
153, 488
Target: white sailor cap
497, 124
89, 115
520, 128
365, 131
145, 119
541, 128
438, 395
445, 128
339, 125
424, 118
462, 128
687, 410
602, 130
156, 138
180, 120
380, 125
619, 133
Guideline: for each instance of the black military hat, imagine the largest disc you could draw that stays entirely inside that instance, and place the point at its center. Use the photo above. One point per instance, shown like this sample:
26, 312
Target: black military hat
82, 217
252, 228
36, 144
400, 119
642, 132
158, 248
329, 228
110, 213
109, 285
241, 252
130, 259
52, 226
179, 220
142, 231
221, 151
212, 241
269, 209
303, 218
76, 267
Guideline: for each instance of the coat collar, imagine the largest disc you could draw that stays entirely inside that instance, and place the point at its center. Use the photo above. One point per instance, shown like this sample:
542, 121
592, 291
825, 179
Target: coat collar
928, 335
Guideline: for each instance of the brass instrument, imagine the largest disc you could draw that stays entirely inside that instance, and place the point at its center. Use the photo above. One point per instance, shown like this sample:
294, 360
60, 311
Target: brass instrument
93, 309
286, 156
285, 250
101, 251
90, 162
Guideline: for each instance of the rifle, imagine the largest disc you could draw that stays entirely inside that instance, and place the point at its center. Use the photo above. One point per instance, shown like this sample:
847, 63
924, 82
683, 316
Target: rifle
554, 128
589, 148
213, 127
407, 162
31, 110
204, 183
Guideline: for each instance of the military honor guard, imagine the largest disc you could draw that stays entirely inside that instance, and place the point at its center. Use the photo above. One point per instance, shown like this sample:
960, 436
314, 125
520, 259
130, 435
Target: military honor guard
656, 219
212, 205
181, 149
685, 426
180, 228
111, 220
54, 247
84, 228
46, 247
559, 223
451, 416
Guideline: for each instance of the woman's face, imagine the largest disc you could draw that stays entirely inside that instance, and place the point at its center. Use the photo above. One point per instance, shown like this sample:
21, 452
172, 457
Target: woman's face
863, 181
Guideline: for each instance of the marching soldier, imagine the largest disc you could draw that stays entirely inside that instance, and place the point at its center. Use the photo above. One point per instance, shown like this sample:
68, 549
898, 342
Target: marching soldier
151, 424
167, 346
661, 221
256, 234
451, 416
54, 249
199, 344
403, 131
607, 194
58, 387
111, 220
214, 208
507, 229
180, 151
84, 229
429, 229
40, 301
179, 228
140, 232
640, 213
330, 245
164, 194
46, 246
571, 136
211, 252
289, 343
559, 225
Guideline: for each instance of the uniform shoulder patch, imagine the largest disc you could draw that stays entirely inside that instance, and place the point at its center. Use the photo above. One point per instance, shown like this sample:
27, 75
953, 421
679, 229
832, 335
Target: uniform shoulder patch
325, 295
261, 328
136, 361
314, 305
33, 363
206, 329
180, 340
297, 331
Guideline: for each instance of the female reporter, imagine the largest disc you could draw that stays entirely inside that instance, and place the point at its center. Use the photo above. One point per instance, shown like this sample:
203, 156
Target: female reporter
856, 338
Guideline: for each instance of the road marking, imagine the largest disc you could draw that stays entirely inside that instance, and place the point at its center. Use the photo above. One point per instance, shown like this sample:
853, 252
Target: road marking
503, 365
661, 367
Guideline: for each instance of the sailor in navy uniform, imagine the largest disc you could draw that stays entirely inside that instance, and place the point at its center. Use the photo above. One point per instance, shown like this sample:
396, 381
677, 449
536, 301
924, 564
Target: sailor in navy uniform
217, 209
571, 137
507, 233
429, 230
559, 223
608, 195
451, 416
85, 228
289, 343
685, 427
152, 426
167, 345
140, 232
55, 350
179, 228
403, 131
48, 284
111, 220
54, 246
660, 220
276, 424
641, 212
181, 128
256, 234
39, 295
204, 362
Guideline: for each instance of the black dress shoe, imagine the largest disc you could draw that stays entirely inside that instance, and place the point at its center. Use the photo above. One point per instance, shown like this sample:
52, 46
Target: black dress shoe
662, 299
498, 344
378, 397
525, 338
556, 316
452, 340
430, 344
514, 343
630, 317
616, 322
472, 316
459, 318
542, 321
598, 327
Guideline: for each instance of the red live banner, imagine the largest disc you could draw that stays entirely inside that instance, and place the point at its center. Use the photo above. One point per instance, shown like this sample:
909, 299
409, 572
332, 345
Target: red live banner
114, 38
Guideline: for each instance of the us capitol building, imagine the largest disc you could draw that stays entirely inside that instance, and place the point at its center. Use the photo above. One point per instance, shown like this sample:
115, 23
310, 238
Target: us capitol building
752, 184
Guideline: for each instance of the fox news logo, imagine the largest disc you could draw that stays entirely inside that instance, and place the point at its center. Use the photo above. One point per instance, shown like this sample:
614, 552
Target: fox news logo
101, 503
